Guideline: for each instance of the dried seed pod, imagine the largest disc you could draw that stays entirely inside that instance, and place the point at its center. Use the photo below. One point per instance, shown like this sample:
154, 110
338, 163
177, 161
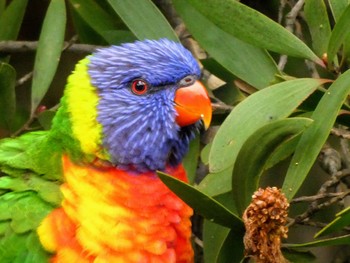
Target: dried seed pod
265, 220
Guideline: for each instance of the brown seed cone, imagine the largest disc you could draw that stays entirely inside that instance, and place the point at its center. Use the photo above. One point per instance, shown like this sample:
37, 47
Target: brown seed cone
265, 220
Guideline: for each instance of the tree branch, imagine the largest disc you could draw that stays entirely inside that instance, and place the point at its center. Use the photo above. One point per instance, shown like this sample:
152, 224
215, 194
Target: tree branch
31, 46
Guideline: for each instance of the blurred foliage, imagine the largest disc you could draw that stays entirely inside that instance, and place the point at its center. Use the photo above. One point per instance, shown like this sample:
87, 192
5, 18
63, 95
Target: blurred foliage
284, 84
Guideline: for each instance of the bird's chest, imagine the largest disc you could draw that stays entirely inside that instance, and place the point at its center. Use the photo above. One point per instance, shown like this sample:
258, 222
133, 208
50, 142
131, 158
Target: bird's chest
114, 216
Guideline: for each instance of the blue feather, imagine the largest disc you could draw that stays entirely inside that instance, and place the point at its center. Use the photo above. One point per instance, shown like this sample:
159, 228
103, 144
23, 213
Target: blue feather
140, 132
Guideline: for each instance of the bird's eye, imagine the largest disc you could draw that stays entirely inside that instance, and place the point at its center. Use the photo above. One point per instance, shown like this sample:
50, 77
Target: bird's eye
187, 81
139, 87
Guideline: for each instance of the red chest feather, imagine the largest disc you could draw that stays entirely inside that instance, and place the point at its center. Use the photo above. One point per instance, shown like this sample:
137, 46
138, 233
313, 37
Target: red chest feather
109, 215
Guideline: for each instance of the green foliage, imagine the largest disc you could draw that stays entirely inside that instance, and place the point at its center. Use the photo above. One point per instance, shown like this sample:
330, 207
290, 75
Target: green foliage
49, 50
260, 108
11, 19
255, 152
8, 98
242, 55
146, 26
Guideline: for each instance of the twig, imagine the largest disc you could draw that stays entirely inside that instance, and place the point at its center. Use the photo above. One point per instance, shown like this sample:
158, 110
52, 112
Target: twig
290, 22
312, 209
314, 206
345, 134
283, 3
198, 241
316, 197
221, 106
30, 46
24, 79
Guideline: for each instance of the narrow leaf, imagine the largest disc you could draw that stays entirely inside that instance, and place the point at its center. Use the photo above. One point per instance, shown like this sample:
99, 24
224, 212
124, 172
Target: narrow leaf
340, 32
342, 220
203, 204
11, 19
49, 50
216, 183
222, 245
190, 161
283, 151
232, 53
233, 248
337, 7
253, 27
2, 6
335, 241
7, 95
214, 236
108, 27
318, 22
314, 138
275, 102
255, 152
294, 255
144, 19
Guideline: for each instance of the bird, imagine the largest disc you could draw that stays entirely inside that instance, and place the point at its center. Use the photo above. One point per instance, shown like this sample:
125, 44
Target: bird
87, 189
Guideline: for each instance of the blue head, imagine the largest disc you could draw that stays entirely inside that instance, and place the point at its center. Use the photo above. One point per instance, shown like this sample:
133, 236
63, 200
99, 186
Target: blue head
137, 84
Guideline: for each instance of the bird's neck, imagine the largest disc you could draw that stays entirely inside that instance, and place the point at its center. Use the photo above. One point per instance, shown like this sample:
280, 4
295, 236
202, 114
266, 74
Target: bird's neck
75, 125
125, 217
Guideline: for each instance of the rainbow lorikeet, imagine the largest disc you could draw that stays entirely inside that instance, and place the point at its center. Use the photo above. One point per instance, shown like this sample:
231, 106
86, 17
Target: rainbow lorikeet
87, 190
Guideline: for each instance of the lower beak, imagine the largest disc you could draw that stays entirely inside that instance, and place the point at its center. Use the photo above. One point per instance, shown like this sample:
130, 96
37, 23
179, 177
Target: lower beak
192, 103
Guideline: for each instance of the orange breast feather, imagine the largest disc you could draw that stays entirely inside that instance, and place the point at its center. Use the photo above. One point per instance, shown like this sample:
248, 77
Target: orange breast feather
109, 215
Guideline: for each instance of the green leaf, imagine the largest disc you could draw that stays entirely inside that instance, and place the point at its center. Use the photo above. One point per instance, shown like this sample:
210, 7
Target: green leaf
283, 151
337, 7
340, 33
11, 19
255, 152
342, 220
317, 19
7, 95
203, 204
298, 256
232, 249
49, 50
216, 183
222, 245
233, 54
214, 236
2, 6
100, 21
205, 153
85, 32
144, 19
275, 102
335, 241
314, 138
253, 27
45, 118
190, 161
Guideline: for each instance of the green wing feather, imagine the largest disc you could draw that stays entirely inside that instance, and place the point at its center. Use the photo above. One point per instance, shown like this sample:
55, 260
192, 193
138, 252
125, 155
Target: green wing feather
30, 172
30, 176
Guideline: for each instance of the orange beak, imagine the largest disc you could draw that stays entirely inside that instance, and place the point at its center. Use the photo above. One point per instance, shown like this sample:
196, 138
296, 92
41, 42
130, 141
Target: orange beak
192, 103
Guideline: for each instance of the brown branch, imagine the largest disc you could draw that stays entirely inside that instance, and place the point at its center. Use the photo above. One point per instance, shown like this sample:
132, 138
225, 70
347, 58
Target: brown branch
316, 197
313, 209
342, 133
290, 24
31, 46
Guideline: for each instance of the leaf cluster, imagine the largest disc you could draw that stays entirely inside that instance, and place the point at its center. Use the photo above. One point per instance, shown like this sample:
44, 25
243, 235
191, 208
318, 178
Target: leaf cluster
284, 87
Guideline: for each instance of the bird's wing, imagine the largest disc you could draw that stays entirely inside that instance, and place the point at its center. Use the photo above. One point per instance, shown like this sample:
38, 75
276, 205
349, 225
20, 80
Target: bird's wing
26, 197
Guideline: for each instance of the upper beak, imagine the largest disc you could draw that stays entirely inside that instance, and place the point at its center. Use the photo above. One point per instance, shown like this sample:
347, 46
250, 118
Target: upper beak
192, 103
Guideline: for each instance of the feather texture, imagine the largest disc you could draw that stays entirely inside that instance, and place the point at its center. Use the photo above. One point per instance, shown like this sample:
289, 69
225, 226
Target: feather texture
109, 215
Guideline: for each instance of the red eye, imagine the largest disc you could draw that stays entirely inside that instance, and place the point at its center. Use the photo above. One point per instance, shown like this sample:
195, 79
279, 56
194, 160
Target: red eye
139, 87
